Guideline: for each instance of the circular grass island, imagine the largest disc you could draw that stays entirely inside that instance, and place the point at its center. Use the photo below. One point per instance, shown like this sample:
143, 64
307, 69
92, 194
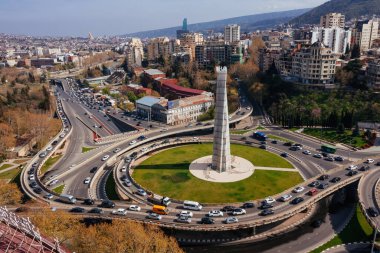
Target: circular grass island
167, 174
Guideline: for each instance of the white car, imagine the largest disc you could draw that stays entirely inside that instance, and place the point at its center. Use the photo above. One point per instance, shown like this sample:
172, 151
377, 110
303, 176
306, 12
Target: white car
117, 150
286, 197
127, 183
31, 177
215, 213
195, 138
49, 196
154, 216
49, 148
62, 135
230, 220
55, 181
141, 192
186, 213
87, 180
299, 189
144, 149
134, 208
123, 169
306, 152
164, 130
369, 160
352, 167
269, 200
132, 142
183, 219
105, 157
317, 156
120, 211
239, 211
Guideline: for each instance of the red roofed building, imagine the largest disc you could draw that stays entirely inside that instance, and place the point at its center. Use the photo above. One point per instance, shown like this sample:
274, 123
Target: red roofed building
170, 87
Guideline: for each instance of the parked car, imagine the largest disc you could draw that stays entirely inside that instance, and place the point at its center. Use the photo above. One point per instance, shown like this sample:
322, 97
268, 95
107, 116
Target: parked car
269, 200
338, 159
228, 209
314, 184
186, 213
352, 173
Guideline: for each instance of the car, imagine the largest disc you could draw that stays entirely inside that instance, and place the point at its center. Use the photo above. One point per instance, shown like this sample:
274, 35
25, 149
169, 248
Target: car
107, 204
37, 190
215, 213
269, 200
231, 220
87, 180
43, 154
186, 213
144, 149
55, 181
239, 211
93, 170
284, 155
127, 183
266, 212
196, 138
54, 143
299, 189
128, 159
228, 209
123, 169
296, 200
116, 150
62, 135
134, 208
35, 164
265, 206
274, 142
31, 177
263, 147
141, 192
372, 212
295, 148
96, 210
317, 155
49, 196
141, 138
323, 186
31, 171
329, 158
323, 177
105, 157
154, 216
352, 167
369, 160
338, 159
49, 148
306, 152
364, 168
263, 142
133, 142
312, 192
248, 205
207, 220
77, 210
33, 184
377, 164
288, 144
88, 202
314, 184
120, 211
352, 173
183, 219
166, 141
163, 130
335, 180
286, 197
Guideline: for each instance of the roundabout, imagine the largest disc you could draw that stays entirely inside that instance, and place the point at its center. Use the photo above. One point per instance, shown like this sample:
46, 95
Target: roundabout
167, 173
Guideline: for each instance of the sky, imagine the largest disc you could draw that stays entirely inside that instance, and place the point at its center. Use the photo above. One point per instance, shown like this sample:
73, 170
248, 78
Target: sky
116, 17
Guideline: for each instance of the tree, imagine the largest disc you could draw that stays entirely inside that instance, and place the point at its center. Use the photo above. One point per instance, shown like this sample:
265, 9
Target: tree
340, 129
355, 53
356, 131
9, 194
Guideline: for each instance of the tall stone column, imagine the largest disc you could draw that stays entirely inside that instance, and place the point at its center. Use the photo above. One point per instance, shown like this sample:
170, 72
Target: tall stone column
221, 159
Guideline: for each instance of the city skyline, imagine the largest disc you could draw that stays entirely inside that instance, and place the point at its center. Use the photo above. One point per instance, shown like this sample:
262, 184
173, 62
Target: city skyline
67, 18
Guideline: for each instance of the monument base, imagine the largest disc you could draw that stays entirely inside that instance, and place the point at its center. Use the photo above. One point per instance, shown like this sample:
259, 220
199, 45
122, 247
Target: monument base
240, 169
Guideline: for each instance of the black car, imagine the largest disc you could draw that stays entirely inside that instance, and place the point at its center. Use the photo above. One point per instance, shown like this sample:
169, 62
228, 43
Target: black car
323, 177
372, 212
107, 204
33, 184
266, 212
141, 138
274, 142
352, 173
338, 159
263, 142
324, 154
228, 209
165, 142
54, 143
288, 144
293, 148
31, 171
265, 205
134, 155
37, 190
248, 205
335, 180
323, 186
89, 202
314, 184
207, 220
263, 146
284, 155
296, 200
93, 170
77, 210
96, 210
364, 168
377, 164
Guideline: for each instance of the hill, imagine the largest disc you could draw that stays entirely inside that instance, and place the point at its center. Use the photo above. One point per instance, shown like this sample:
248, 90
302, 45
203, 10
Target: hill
351, 8
247, 23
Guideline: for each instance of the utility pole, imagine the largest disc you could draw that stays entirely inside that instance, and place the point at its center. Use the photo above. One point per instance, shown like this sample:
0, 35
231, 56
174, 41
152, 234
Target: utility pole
374, 239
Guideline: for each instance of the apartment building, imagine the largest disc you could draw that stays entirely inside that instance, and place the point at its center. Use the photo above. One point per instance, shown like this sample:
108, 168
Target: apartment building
232, 33
373, 74
338, 39
331, 20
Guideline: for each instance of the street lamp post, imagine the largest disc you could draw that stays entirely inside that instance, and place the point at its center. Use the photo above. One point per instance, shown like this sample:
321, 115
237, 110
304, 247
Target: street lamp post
374, 239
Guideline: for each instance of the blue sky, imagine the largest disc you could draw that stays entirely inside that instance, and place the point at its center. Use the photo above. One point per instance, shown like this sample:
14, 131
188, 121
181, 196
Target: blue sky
112, 17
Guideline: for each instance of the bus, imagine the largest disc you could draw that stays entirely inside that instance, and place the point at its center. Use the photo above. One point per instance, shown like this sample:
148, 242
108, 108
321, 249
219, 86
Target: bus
160, 209
67, 199
328, 149
260, 136
192, 205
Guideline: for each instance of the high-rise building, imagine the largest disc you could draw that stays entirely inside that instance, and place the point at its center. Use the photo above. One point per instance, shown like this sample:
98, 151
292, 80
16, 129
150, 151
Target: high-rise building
189, 41
365, 32
232, 33
183, 30
135, 52
338, 39
157, 47
332, 20
373, 74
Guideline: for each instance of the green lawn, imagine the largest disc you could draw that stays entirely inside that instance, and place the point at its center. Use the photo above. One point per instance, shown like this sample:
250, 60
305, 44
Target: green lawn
167, 174
275, 137
86, 149
59, 189
10, 174
332, 136
260, 128
5, 166
357, 230
49, 162
111, 188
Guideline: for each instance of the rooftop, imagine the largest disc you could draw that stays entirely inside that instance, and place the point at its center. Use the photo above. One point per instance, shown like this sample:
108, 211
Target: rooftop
152, 72
148, 101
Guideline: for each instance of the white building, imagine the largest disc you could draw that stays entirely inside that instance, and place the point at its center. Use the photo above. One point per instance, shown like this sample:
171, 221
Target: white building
369, 33
232, 33
338, 39
135, 52
332, 20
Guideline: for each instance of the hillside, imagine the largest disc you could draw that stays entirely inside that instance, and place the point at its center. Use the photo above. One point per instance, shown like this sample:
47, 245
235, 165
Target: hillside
248, 24
351, 8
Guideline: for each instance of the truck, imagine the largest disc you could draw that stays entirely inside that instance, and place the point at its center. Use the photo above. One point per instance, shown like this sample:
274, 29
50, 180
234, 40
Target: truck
260, 136
67, 199
165, 201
